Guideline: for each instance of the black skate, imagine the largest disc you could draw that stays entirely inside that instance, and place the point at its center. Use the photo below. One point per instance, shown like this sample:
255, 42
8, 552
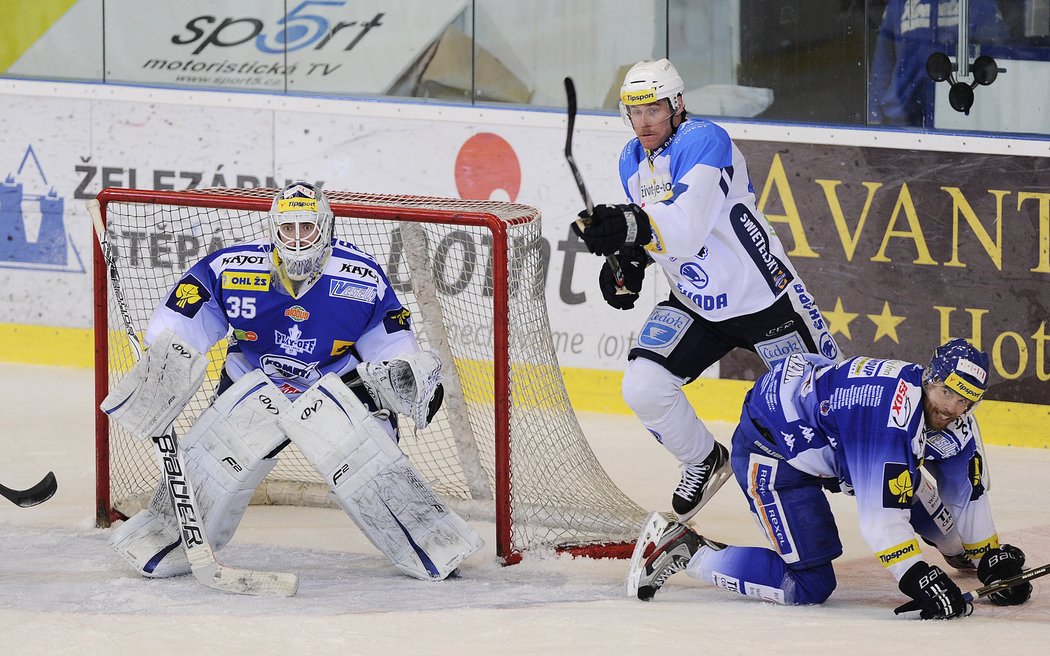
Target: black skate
700, 482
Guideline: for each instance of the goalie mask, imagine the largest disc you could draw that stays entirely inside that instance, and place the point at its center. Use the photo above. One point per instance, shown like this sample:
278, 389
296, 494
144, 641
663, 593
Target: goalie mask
301, 228
650, 81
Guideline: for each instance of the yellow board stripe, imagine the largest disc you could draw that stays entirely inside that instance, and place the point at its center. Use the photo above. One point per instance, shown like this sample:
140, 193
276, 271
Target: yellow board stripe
23, 23
590, 390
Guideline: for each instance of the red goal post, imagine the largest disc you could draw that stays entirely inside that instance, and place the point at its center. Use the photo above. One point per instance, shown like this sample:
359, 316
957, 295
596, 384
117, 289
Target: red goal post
506, 446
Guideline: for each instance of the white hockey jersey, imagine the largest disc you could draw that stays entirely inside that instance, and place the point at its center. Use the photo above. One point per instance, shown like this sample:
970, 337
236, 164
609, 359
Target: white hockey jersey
719, 253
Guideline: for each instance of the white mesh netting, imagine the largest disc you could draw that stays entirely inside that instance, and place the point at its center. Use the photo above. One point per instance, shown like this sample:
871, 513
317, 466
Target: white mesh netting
442, 257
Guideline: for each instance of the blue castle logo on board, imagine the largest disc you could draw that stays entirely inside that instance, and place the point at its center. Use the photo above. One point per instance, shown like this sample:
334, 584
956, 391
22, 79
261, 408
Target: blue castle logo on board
33, 231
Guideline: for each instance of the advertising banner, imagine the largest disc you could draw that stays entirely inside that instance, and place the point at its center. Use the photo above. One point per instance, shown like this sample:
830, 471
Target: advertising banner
901, 248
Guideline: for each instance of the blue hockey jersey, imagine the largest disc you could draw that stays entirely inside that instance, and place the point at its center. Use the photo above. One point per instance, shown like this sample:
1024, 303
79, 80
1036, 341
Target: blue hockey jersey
350, 314
861, 423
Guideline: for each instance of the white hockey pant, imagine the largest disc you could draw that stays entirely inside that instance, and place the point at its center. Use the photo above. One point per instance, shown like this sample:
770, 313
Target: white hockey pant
225, 456
375, 484
656, 397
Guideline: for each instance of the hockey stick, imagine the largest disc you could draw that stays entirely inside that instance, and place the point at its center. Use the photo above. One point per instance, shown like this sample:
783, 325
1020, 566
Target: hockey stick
614, 264
987, 590
199, 552
32, 496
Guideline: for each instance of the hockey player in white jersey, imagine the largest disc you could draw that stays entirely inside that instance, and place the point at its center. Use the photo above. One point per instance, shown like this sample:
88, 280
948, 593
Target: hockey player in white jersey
321, 354
898, 437
692, 211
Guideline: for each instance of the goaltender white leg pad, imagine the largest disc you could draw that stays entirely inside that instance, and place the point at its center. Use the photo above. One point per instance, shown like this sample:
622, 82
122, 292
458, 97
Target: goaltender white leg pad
223, 454
157, 388
224, 451
374, 482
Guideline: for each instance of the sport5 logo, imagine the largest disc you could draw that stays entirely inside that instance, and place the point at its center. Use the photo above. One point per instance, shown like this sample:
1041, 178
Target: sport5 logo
309, 410
300, 28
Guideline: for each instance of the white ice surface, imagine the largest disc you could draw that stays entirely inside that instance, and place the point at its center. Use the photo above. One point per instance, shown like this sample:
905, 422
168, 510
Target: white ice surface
63, 591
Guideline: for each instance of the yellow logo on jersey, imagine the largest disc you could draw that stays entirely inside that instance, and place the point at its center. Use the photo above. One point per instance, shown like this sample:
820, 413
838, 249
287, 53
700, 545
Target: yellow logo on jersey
339, 347
977, 549
187, 294
898, 552
247, 280
901, 488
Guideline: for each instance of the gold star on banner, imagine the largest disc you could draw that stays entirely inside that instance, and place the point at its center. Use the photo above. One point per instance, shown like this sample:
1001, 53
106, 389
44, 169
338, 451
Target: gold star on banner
886, 323
838, 319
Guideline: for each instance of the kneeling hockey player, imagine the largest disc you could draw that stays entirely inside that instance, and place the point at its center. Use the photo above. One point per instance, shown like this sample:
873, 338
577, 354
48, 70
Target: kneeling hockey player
898, 437
307, 315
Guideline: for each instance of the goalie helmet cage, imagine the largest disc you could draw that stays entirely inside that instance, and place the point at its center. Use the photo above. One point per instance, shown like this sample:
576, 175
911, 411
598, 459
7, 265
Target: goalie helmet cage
506, 445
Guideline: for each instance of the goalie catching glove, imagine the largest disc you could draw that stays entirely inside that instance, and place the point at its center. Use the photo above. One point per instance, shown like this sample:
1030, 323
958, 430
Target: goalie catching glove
633, 260
408, 384
155, 391
611, 227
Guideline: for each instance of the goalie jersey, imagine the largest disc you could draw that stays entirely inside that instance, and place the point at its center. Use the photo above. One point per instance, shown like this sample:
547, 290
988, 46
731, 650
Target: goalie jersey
350, 314
859, 426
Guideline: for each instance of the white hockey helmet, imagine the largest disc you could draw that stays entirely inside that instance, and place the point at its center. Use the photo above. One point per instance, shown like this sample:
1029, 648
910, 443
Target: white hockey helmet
649, 81
301, 228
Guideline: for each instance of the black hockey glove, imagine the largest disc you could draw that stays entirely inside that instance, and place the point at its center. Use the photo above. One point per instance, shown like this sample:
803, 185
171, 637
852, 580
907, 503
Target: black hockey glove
937, 595
632, 261
999, 564
611, 227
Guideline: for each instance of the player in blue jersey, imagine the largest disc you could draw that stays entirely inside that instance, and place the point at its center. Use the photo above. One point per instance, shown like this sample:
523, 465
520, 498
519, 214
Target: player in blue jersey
691, 210
898, 437
321, 354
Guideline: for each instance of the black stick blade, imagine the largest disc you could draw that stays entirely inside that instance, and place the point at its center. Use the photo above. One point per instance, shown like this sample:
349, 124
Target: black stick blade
35, 495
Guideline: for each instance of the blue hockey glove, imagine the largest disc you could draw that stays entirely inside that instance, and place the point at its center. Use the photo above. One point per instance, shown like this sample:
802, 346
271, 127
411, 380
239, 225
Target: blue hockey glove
937, 596
999, 564
611, 227
632, 262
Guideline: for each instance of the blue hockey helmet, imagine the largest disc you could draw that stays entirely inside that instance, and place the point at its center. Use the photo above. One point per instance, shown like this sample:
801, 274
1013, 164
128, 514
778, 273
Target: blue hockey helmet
961, 367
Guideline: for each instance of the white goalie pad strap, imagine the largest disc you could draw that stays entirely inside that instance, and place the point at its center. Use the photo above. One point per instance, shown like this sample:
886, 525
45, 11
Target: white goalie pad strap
374, 482
157, 388
405, 384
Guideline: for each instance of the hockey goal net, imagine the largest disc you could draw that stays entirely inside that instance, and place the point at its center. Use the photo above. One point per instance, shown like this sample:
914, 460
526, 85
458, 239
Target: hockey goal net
506, 446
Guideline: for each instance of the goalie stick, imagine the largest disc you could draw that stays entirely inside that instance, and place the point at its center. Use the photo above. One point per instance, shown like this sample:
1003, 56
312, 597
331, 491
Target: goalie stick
32, 496
986, 590
201, 556
570, 96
